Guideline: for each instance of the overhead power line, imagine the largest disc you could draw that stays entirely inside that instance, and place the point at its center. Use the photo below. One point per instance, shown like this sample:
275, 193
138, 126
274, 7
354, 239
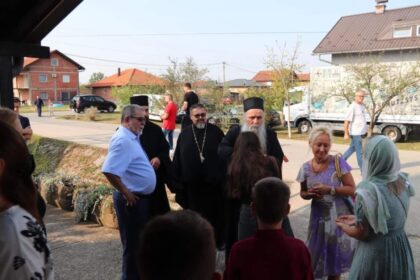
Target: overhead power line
186, 34
133, 63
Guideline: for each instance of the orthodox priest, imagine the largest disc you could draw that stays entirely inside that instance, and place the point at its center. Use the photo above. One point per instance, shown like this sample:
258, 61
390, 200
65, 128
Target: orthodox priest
156, 147
254, 120
199, 172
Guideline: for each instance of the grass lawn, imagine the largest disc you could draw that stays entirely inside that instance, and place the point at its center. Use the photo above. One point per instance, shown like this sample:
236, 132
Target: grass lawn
32, 109
113, 118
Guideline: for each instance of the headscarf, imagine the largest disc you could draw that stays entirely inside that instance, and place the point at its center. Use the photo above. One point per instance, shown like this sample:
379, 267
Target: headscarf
381, 166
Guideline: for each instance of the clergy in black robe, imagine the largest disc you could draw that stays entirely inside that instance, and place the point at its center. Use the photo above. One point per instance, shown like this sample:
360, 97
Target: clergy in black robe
199, 172
156, 147
253, 121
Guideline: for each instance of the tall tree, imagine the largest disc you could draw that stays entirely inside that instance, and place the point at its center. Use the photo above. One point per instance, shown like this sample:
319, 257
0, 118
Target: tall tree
283, 64
385, 83
96, 76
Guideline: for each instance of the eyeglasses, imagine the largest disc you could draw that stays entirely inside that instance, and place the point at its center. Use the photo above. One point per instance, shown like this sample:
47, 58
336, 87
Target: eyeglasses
140, 119
202, 115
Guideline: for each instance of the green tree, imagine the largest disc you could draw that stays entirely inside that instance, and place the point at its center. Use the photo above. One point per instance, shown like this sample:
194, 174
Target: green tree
123, 94
96, 76
383, 82
283, 64
179, 73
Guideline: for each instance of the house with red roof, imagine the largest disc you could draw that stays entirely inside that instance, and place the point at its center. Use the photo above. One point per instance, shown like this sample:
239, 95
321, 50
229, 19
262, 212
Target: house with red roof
266, 78
55, 78
128, 77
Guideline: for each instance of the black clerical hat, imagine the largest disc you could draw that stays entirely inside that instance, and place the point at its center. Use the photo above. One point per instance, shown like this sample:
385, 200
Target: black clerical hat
141, 100
253, 103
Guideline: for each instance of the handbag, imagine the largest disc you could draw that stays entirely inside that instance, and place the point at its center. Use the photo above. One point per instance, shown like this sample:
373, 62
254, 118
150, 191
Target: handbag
347, 200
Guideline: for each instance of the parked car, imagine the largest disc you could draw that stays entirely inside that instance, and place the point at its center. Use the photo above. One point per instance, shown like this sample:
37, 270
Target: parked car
80, 102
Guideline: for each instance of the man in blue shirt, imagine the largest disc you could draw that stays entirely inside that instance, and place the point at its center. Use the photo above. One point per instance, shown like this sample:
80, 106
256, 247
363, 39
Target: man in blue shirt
128, 169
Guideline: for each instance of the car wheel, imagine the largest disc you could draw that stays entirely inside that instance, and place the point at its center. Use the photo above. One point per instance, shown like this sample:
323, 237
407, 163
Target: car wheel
304, 127
111, 109
392, 132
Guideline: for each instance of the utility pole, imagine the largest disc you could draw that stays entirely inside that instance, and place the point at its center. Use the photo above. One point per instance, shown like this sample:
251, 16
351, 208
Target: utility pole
224, 76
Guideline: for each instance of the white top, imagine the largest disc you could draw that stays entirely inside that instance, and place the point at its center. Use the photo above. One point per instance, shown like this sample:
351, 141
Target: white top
24, 253
356, 116
127, 160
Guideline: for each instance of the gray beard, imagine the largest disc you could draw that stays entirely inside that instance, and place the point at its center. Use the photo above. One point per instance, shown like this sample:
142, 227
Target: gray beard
261, 133
200, 125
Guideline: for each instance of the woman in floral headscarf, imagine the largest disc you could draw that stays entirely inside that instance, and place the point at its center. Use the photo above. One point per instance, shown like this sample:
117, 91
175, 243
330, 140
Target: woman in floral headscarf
382, 201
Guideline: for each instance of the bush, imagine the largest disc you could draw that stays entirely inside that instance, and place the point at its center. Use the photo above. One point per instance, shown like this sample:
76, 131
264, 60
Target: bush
91, 113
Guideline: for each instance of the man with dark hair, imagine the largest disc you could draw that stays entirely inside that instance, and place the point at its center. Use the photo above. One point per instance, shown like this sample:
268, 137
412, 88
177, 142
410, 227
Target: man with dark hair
39, 103
178, 245
198, 172
129, 171
24, 121
156, 147
270, 254
190, 98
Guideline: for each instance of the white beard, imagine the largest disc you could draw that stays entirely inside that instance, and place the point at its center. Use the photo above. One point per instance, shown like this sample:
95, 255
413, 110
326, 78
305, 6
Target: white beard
200, 125
261, 133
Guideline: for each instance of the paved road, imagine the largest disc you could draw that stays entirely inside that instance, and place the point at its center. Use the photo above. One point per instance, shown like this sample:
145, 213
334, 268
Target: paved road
298, 152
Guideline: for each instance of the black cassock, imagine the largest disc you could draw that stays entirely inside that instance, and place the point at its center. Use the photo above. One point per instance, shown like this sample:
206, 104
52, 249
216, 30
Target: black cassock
273, 146
233, 206
200, 184
154, 144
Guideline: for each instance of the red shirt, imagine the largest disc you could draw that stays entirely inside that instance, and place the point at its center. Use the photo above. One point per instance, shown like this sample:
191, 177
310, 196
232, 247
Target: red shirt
269, 255
170, 110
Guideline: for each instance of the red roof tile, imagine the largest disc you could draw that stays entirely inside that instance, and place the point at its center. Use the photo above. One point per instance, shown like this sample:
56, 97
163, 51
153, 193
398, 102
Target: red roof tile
264, 76
304, 77
29, 60
129, 77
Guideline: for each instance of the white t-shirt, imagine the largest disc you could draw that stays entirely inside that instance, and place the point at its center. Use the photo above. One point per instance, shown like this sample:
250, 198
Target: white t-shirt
356, 116
24, 253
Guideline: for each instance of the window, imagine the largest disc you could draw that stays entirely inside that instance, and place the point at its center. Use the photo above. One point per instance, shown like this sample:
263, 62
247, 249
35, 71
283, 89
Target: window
65, 96
54, 62
66, 78
402, 32
418, 30
43, 78
43, 95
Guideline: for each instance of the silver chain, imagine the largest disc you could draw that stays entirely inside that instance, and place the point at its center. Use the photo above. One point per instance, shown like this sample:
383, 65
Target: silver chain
200, 151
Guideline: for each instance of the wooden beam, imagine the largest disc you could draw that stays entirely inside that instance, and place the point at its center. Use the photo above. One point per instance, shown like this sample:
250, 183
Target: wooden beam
23, 49
6, 82
55, 15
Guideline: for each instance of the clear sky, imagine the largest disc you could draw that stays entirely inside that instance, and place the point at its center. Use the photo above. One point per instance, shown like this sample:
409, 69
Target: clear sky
102, 35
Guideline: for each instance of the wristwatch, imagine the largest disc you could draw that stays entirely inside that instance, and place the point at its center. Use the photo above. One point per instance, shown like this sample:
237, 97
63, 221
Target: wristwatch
332, 191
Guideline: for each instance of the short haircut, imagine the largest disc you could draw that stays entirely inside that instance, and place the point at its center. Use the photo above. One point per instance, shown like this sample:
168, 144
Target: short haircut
169, 95
128, 111
317, 131
196, 106
361, 90
178, 245
271, 198
187, 85
8, 116
16, 99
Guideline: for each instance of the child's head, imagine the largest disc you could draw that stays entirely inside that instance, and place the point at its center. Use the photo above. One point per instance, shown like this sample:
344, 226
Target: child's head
270, 199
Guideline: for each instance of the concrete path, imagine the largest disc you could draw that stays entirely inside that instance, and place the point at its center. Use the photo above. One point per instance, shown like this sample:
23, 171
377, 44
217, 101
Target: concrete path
88, 251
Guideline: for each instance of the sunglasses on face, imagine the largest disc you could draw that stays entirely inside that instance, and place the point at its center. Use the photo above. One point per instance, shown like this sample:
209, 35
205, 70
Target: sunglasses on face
202, 115
140, 119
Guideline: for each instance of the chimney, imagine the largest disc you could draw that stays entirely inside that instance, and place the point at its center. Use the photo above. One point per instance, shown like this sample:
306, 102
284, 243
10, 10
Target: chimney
380, 6
119, 71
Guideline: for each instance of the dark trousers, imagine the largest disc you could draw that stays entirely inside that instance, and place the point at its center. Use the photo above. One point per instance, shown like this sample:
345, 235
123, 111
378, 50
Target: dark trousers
39, 110
131, 221
207, 200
